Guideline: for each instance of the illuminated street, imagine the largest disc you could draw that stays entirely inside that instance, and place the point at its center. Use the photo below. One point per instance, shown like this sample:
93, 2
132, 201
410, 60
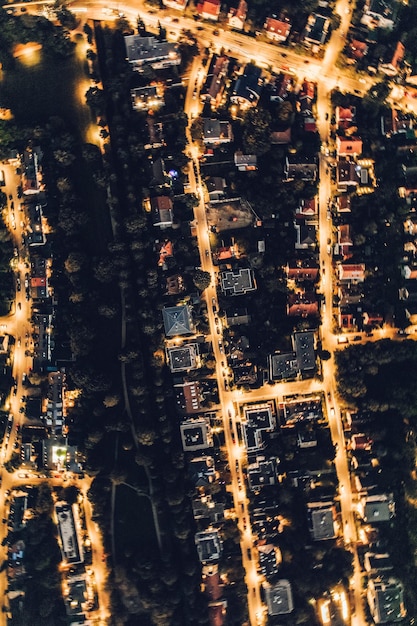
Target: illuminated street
327, 76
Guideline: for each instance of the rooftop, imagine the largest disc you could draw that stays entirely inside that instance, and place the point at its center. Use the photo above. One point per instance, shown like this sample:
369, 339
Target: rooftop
177, 320
237, 282
196, 434
278, 597
321, 517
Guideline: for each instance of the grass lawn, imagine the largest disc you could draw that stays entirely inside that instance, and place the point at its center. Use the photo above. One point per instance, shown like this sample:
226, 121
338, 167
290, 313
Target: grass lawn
40, 87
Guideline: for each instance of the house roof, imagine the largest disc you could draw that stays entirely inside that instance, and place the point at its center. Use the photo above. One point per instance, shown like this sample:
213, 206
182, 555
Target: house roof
303, 342
283, 366
348, 145
268, 559
278, 597
195, 434
308, 89
378, 508
209, 545
344, 235
345, 116
302, 270
177, 320
261, 473
147, 49
279, 28
358, 49
386, 599
352, 271
216, 130
209, 7
321, 519
281, 137
237, 282
302, 304
240, 12
248, 85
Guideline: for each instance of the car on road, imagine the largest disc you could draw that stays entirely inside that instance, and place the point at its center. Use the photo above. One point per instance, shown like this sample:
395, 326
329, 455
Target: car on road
19, 306
332, 411
357, 338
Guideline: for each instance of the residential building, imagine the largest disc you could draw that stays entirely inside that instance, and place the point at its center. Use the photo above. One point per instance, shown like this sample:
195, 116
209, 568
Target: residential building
278, 597
305, 235
283, 366
196, 434
237, 316
183, 358
348, 146
245, 162
237, 16
215, 81
307, 209
347, 173
345, 117
351, 272
358, 49
209, 9
385, 597
174, 284
142, 51
38, 281
259, 419
343, 203
300, 270
306, 436
31, 175
279, 87
237, 282
162, 211
68, 525
248, 87
302, 304
377, 508
201, 471
209, 546
35, 235
262, 472
189, 396
178, 320
277, 30
303, 346
55, 407
301, 167
377, 562
178, 5
316, 29
321, 519
379, 14
393, 59
269, 559
216, 131
206, 508
147, 98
